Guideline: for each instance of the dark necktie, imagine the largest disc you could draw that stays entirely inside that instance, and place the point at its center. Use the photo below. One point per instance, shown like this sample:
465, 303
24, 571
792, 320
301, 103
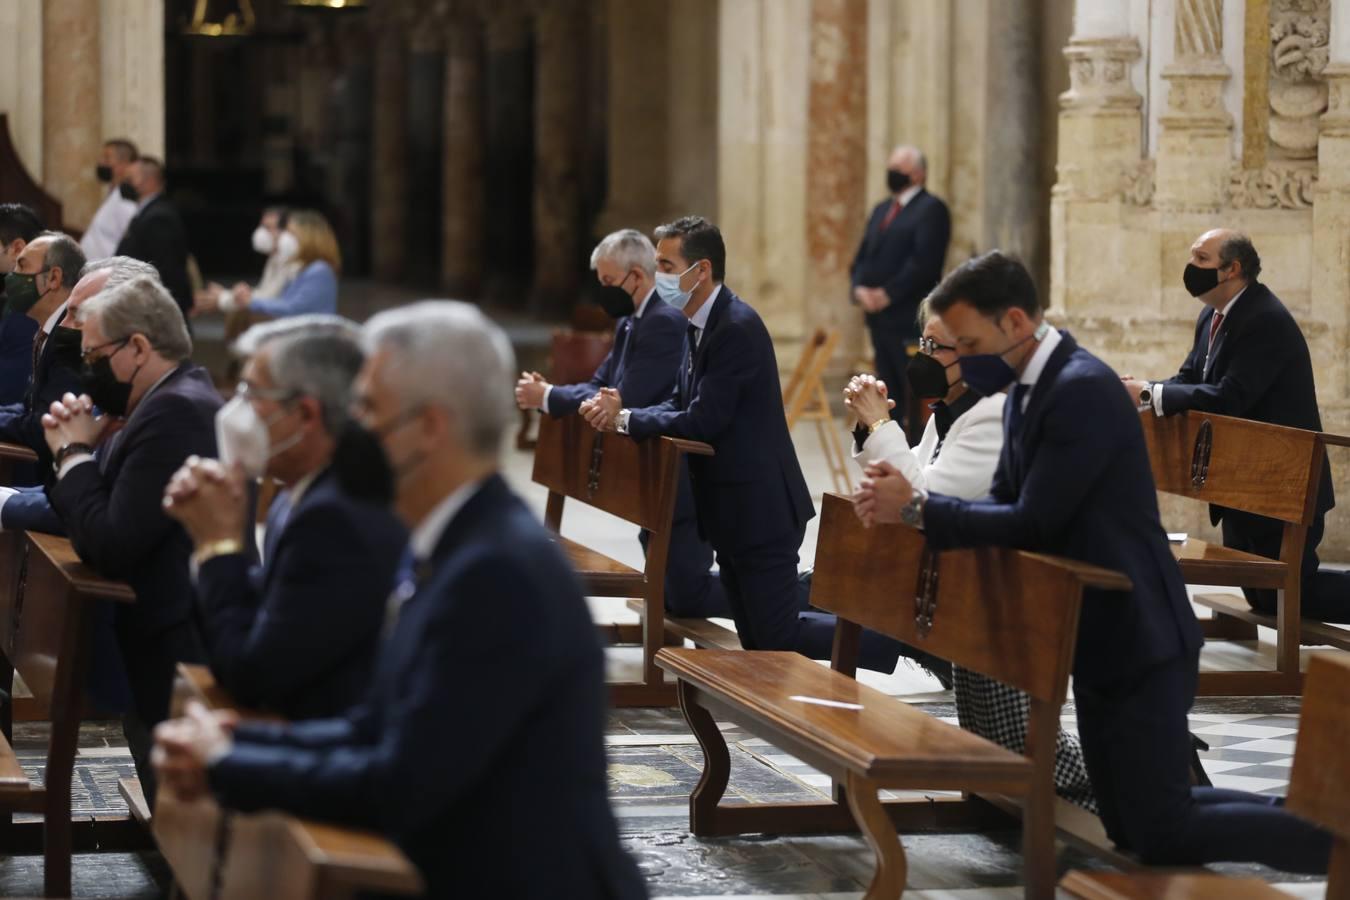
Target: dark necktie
39, 341
621, 343
692, 336
1019, 393
891, 214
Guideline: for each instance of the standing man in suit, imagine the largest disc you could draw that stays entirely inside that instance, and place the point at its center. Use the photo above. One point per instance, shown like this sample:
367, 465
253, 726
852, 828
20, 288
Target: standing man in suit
641, 366
1073, 479
493, 631
39, 288
1249, 359
18, 225
137, 357
298, 634
156, 235
116, 211
898, 261
751, 499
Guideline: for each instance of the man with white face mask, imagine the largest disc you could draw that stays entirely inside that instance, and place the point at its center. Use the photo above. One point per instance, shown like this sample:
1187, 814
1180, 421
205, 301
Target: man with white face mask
299, 634
278, 272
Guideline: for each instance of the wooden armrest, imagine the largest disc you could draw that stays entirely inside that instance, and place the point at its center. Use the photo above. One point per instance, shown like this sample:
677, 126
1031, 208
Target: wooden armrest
361, 859
17, 452
697, 448
202, 686
62, 556
1336, 440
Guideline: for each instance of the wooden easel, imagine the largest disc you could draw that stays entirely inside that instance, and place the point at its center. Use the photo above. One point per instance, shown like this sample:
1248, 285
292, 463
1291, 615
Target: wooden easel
805, 398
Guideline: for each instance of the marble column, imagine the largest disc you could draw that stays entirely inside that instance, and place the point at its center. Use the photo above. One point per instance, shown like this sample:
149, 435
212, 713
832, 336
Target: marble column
509, 162
558, 131
462, 193
836, 165
1331, 210
389, 185
21, 73
132, 72
1194, 154
71, 106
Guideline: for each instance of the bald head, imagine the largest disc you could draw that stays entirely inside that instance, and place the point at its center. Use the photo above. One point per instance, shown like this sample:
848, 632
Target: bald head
1232, 255
909, 162
87, 287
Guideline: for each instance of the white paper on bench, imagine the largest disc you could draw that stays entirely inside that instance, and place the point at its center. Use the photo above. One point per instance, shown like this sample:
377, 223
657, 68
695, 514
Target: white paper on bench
1177, 537
820, 701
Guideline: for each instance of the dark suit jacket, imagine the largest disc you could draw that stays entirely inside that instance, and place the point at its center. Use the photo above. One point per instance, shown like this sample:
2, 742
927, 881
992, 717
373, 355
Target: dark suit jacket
112, 508
641, 365
905, 259
483, 731
298, 635
1260, 370
51, 380
16, 355
156, 235
752, 489
1075, 481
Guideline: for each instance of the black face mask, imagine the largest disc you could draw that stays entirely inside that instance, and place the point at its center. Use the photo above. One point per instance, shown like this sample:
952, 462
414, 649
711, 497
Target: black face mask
614, 300
362, 467
896, 181
927, 377
98, 381
1199, 281
65, 344
128, 192
103, 173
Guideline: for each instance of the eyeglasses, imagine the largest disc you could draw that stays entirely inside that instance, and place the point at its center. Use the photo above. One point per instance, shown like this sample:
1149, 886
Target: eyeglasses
930, 346
88, 358
277, 395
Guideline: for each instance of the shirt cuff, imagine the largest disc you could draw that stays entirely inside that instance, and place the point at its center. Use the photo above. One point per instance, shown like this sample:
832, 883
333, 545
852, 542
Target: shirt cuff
543, 404
72, 462
5, 494
225, 300
1157, 398
621, 421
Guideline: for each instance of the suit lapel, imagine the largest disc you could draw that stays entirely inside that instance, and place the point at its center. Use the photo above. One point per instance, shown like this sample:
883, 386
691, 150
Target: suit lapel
695, 361
1021, 444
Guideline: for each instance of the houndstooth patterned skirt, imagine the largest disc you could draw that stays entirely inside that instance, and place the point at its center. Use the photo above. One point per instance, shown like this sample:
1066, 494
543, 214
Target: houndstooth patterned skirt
1000, 713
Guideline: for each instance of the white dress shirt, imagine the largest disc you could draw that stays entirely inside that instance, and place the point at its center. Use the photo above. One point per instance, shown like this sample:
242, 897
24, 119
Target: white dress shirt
108, 225
1157, 390
970, 451
1036, 365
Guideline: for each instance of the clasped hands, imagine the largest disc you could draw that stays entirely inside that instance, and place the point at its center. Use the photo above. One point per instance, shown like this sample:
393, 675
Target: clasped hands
868, 398
209, 499
71, 420
185, 747
601, 412
871, 299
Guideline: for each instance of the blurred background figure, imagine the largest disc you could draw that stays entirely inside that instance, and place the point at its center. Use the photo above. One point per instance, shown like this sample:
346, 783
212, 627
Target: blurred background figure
277, 274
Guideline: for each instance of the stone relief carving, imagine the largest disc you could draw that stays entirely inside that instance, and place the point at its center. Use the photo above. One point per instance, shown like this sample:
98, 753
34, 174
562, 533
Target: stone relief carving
1274, 187
1099, 73
1299, 34
1137, 183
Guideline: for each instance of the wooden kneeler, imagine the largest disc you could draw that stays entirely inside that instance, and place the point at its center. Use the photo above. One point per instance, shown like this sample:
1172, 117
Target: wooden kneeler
1252, 467
635, 481
1009, 615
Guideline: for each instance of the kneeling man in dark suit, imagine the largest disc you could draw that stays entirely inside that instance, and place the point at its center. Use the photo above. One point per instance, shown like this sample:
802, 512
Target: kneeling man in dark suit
484, 725
298, 634
1074, 480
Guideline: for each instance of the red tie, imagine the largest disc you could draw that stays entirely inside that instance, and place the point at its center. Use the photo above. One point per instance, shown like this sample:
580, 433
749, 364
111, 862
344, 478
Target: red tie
891, 214
1213, 330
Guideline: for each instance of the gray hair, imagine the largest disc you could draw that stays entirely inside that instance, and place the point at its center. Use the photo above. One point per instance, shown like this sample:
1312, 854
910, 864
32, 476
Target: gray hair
64, 254
124, 268
448, 354
141, 306
310, 356
1238, 247
627, 248
919, 158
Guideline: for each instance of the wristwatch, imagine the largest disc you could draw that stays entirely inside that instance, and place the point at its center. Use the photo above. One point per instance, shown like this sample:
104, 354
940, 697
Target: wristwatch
69, 450
912, 512
621, 421
1146, 396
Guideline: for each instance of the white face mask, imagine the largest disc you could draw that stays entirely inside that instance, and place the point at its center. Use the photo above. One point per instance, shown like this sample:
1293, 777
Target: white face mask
287, 246
242, 437
264, 241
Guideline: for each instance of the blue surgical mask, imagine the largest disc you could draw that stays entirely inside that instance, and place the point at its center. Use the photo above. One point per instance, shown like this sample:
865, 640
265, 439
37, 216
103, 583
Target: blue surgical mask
988, 373
668, 288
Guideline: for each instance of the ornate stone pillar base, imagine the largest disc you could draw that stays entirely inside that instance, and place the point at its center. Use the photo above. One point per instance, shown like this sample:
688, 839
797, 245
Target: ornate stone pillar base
1194, 147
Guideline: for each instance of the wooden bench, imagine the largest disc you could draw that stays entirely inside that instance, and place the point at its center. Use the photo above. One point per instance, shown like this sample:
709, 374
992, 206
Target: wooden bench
1319, 790
635, 481
805, 397
266, 854
574, 355
1253, 467
45, 635
1009, 615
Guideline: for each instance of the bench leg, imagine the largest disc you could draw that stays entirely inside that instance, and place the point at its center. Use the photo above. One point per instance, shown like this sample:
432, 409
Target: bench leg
889, 880
716, 763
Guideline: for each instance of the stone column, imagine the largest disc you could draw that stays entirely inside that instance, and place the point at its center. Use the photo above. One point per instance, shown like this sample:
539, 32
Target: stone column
389, 186
71, 106
509, 162
1331, 215
21, 79
462, 193
132, 72
558, 126
426, 108
836, 166
1194, 154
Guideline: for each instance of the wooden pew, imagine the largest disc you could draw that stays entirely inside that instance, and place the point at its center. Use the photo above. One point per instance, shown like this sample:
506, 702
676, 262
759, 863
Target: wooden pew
635, 481
46, 635
805, 397
266, 854
574, 355
1258, 468
1009, 615
1319, 790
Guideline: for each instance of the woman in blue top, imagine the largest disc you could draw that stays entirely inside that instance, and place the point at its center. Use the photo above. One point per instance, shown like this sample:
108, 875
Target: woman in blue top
309, 240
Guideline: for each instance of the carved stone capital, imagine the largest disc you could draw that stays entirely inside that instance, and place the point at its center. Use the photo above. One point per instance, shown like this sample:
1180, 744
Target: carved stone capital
1275, 186
1099, 74
1335, 121
1195, 95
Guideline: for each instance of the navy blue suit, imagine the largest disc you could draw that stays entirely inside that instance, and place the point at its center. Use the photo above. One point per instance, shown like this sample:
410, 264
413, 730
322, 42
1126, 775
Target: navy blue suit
751, 499
112, 511
16, 355
1261, 369
642, 366
483, 731
157, 235
905, 259
51, 379
1074, 480
298, 636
